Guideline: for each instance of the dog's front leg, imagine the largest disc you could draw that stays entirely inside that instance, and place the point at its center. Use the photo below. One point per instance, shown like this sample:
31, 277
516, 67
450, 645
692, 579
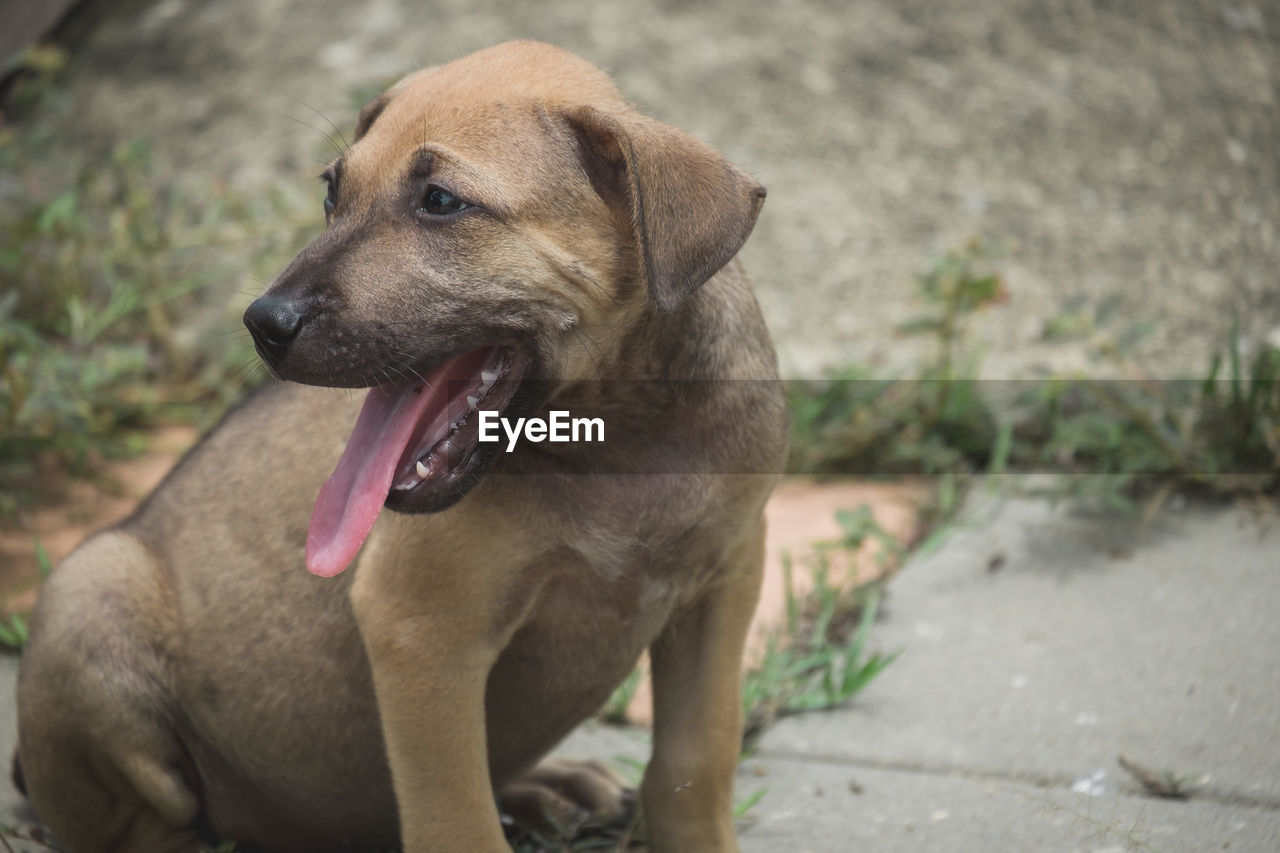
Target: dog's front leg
431, 655
687, 793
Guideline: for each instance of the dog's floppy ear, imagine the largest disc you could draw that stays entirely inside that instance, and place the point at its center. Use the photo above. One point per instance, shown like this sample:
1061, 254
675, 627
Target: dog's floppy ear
374, 108
369, 114
690, 209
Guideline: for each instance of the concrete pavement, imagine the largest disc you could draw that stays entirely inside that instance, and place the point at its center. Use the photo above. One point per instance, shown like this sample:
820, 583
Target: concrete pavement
1038, 644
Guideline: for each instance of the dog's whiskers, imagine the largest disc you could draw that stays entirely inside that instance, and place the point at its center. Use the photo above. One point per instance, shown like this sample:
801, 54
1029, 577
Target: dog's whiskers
406, 364
245, 374
346, 146
326, 137
595, 358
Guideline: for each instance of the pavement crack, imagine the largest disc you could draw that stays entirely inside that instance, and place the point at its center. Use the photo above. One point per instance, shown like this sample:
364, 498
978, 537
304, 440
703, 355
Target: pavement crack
1221, 796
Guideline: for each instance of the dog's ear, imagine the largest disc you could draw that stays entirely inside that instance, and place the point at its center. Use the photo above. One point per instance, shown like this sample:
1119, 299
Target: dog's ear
374, 108
370, 113
690, 209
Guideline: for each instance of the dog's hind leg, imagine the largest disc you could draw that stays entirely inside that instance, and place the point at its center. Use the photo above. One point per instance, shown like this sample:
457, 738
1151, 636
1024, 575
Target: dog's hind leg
93, 809
101, 764
559, 797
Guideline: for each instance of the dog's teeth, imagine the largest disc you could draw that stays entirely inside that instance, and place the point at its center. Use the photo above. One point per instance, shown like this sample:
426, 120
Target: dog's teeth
421, 469
472, 401
488, 377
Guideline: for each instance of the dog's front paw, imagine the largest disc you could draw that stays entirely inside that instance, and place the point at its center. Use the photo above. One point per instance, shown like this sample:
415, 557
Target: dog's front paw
564, 798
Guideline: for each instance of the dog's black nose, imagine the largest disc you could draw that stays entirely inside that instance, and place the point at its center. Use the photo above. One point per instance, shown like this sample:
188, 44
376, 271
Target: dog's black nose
274, 323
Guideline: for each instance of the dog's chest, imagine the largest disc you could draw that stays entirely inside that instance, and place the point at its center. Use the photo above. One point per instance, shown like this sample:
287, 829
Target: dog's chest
582, 639
622, 557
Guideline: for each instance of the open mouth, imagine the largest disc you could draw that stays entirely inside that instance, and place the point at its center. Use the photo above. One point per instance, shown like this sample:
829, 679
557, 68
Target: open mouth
413, 445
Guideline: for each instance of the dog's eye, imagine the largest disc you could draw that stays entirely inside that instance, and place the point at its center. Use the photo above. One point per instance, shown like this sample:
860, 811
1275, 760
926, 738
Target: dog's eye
441, 202
331, 193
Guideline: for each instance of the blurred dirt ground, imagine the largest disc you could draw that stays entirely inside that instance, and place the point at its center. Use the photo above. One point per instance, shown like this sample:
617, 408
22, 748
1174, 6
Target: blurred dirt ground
1123, 155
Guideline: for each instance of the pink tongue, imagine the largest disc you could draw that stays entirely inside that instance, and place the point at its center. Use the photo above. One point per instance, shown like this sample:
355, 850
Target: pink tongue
352, 497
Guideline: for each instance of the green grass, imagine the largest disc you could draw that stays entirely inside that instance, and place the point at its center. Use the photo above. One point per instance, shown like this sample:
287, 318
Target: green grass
820, 658
13, 626
615, 709
933, 423
1125, 444
100, 277
13, 631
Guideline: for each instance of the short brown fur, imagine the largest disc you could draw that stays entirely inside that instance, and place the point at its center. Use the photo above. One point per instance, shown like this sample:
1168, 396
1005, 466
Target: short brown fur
185, 671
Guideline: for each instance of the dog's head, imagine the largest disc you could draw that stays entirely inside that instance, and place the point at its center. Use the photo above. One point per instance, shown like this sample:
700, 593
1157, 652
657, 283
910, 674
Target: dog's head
489, 216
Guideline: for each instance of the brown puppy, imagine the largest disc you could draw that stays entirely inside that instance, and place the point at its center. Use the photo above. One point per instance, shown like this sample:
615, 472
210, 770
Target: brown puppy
505, 234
